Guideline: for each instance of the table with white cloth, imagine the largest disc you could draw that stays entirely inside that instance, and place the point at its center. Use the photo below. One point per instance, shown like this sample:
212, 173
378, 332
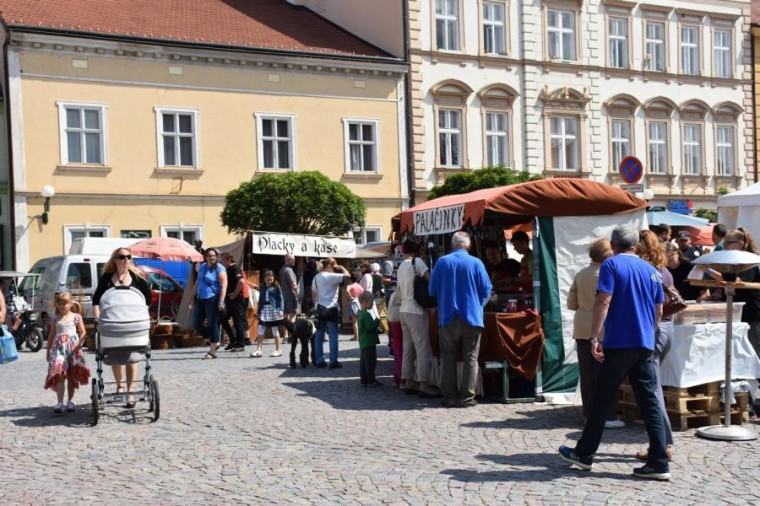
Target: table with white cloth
697, 355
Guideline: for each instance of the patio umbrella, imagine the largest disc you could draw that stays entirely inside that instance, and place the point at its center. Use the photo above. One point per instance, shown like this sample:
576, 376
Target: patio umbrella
165, 248
657, 217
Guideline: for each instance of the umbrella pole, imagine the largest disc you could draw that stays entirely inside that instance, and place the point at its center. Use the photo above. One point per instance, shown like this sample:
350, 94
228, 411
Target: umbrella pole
160, 292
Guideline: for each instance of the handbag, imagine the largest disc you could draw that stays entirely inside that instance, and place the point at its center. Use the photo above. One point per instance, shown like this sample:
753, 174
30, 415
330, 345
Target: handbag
422, 293
328, 314
8, 351
674, 303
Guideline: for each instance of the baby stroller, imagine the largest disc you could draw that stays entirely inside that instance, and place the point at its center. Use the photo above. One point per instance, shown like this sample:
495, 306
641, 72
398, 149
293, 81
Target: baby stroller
123, 330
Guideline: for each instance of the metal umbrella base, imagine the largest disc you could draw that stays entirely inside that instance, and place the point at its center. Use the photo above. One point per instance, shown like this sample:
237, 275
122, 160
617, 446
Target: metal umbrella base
730, 433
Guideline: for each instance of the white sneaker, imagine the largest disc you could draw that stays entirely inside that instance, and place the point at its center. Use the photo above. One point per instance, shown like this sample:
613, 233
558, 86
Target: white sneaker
71, 406
614, 424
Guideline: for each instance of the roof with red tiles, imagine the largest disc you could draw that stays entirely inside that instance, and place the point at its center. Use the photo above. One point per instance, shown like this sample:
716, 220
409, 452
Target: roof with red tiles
253, 24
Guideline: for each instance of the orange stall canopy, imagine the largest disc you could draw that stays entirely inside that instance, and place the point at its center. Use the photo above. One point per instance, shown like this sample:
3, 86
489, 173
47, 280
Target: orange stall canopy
547, 197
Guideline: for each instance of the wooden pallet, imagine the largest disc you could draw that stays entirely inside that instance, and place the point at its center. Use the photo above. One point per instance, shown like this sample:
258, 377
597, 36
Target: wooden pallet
683, 421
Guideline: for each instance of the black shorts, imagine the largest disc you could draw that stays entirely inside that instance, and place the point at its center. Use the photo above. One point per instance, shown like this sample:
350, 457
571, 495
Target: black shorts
290, 303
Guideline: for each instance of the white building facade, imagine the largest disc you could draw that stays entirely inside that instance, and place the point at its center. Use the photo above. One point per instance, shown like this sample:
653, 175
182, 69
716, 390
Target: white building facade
567, 88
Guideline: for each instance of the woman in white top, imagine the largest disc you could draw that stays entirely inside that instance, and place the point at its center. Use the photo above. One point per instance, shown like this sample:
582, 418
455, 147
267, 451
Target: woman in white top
417, 364
326, 289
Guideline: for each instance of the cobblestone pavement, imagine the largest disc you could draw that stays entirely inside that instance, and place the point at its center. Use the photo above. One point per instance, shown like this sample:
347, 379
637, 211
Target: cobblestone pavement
253, 431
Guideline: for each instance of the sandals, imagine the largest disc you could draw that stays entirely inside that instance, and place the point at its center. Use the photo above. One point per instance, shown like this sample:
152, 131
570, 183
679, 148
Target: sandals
208, 356
256, 354
276, 353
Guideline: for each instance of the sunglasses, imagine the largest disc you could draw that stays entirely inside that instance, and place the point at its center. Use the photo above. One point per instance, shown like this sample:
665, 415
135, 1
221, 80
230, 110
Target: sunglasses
124, 257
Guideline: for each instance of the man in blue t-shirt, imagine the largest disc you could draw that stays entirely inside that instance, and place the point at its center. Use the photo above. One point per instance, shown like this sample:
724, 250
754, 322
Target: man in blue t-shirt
627, 308
461, 283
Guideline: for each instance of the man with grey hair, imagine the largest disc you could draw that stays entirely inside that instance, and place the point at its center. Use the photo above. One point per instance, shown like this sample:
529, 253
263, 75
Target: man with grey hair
289, 287
461, 284
626, 312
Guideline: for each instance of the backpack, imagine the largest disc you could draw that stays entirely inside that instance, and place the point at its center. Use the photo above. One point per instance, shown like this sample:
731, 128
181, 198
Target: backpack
124, 322
421, 293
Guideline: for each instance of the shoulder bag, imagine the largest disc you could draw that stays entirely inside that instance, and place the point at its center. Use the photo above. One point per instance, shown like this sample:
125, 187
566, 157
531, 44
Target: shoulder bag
674, 303
421, 291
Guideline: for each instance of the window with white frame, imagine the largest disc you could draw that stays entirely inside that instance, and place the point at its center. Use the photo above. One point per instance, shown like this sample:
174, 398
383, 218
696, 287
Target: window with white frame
450, 137
618, 35
497, 138
494, 28
447, 24
722, 54
565, 148
361, 145
690, 50
692, 149
726, 151
276, 141
71, 232
83, 133
561, 35
620, 139
187, 233
177, 138
654, 46
657, 141
367, 235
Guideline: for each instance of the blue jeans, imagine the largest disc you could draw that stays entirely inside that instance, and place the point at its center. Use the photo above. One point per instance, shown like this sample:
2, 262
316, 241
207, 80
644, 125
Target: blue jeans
207, 309
319, 337
639, 365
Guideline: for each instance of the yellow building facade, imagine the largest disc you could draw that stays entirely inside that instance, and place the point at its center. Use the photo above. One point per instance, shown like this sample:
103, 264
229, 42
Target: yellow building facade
142, 139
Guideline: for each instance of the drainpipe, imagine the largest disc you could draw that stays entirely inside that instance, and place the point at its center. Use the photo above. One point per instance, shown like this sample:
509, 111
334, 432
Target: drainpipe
754, 98
11, 233
409, 108
523, 86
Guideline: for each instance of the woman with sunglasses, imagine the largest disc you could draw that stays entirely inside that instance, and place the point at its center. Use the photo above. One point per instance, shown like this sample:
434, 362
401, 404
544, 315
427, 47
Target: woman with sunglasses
119, 271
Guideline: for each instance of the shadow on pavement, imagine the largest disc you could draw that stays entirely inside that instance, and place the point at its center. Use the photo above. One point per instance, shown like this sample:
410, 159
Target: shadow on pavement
526, 467
348, 394
536, 419
42, 416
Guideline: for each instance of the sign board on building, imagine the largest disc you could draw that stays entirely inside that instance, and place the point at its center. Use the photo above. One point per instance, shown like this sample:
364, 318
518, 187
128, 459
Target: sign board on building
680, 206
633, 188
631, 169
268, 243
441, 220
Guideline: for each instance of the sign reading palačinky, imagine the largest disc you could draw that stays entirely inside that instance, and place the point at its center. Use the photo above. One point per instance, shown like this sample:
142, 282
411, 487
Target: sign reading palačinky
265, 243
441, 220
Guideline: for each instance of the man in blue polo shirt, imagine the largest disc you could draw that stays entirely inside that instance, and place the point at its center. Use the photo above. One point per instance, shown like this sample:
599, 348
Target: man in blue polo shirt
461, 283
628, 307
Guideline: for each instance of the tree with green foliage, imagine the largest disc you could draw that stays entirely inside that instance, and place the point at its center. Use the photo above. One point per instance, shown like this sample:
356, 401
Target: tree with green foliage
294, 202
706, 213
487, 177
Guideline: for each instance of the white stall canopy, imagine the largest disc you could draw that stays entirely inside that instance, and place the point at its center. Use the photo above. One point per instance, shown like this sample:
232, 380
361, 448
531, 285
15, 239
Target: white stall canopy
741, 209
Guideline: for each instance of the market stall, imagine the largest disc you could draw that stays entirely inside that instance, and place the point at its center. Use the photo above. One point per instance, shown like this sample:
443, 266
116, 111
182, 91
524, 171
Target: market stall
565, 216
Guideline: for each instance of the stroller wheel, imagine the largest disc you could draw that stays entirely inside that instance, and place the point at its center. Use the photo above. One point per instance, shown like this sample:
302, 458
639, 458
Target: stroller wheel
155, 400
95, 402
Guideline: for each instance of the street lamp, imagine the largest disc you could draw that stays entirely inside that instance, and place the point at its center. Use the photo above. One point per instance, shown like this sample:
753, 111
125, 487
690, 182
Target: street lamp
47, 193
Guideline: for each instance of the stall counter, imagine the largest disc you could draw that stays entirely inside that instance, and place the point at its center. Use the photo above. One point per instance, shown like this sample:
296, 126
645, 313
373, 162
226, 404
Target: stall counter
697, 355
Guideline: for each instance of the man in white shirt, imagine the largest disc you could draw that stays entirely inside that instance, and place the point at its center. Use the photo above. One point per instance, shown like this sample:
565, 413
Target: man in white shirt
416, 368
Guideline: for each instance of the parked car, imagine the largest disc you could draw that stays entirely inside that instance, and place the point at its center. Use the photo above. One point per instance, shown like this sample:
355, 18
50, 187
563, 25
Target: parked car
169, 290
79, 274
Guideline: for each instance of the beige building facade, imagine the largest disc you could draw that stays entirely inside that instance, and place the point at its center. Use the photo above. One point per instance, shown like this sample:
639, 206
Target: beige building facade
143, 138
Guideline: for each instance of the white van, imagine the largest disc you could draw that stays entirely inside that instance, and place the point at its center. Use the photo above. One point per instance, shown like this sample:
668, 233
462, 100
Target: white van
99, 245
78, 274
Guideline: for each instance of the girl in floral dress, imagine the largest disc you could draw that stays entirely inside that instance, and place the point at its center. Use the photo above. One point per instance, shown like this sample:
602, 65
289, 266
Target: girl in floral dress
66, 363
271, 307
